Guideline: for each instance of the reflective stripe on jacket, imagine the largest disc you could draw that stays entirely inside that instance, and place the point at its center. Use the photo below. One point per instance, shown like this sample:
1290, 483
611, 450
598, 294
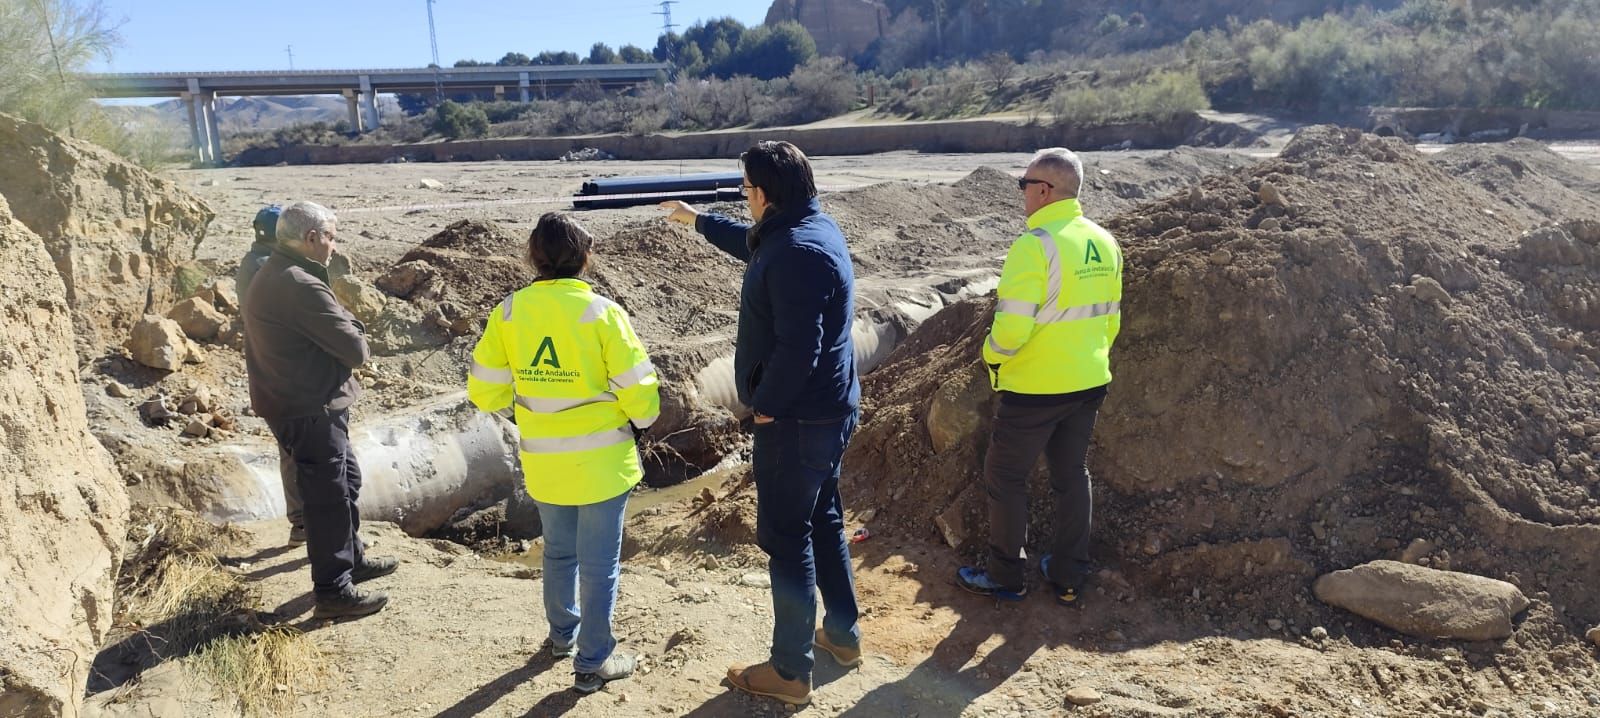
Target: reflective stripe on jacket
1060, 306
571, 364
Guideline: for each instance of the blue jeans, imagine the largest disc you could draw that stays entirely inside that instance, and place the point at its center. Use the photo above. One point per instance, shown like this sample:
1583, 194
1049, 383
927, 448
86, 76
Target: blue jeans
800, 525
582, 547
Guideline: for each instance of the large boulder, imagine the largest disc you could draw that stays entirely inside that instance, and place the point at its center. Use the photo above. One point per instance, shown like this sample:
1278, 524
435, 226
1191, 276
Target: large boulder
198, 318
117, 234
63, 512
159, 343
1425, 602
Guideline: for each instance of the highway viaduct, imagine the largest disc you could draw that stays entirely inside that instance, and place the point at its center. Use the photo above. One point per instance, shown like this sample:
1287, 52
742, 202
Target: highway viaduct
360, 88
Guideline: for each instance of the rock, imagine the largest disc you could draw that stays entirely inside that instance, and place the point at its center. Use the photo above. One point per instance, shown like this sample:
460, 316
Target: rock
664, 564
1428, 289
1319, 634
1416, 550
219, 293
198, 401
587, 154
198, 427
1221, 258
1593, 635
958, 409
115, 232
64, 512
1116, 636
952, 525
155, 411
1274, 624
1270, 224
1424, 602
1269, 195
407, 278
712, 563
756, 580
198, 318
158, 343
426, 183
361, 298
118, 390
1083, 696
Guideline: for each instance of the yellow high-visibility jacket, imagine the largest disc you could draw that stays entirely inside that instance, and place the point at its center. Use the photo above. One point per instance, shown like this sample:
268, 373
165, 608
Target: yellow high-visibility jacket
1060, 306
571, 364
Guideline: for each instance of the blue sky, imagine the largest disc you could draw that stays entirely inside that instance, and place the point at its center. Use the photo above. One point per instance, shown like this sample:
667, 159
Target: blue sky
177, 35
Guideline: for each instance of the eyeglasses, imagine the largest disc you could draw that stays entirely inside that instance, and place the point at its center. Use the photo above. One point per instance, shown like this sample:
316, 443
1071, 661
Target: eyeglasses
1023, 182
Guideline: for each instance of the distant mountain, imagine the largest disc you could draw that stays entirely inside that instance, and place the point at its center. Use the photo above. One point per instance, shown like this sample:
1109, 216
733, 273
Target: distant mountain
250, 114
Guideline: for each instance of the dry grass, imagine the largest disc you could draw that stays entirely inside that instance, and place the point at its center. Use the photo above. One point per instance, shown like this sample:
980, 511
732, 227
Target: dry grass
175, 593
267, 671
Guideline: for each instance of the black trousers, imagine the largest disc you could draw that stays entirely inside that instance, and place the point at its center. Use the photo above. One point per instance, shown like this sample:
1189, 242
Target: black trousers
330, 483
1023, 429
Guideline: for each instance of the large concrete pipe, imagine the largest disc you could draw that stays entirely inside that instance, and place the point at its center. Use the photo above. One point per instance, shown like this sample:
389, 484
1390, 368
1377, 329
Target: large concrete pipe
419, 466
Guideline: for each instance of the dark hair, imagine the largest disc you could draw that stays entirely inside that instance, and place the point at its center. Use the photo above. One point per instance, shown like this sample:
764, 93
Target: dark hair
781, 170
558, 247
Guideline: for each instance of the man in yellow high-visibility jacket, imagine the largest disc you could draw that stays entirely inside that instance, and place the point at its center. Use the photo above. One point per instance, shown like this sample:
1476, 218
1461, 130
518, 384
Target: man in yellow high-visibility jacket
584, 389
1049, 356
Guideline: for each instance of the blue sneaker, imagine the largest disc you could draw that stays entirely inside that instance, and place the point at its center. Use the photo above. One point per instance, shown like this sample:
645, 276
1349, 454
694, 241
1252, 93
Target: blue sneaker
558, 651
1065, 595
976, 580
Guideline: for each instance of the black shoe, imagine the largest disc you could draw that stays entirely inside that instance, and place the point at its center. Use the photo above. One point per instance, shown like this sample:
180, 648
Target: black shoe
350, 603
297, 536
1067, 595
373, 568
976, 580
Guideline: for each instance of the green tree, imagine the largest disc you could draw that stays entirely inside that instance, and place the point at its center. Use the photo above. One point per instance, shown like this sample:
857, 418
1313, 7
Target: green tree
774, 51
557, 58
634, 54
457, 121
602, 54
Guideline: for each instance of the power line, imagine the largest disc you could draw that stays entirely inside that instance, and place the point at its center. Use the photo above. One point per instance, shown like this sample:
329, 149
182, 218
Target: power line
290, 49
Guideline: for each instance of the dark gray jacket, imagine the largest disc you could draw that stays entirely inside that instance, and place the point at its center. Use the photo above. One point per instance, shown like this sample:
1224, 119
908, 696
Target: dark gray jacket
300, 344
253, 261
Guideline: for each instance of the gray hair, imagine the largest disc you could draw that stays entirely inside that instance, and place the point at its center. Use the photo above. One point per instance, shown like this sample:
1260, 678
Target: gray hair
1061, 162
302, 217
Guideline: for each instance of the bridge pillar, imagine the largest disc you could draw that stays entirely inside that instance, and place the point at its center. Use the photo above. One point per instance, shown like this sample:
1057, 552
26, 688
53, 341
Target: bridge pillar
499, 93
199, 123
522, 85
370, 100
354, 108
214, 132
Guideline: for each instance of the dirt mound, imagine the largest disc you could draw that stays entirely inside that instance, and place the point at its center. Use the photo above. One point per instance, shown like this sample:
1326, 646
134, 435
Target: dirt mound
485, 239
62, 516
116, 233
1527, 175
1339, 375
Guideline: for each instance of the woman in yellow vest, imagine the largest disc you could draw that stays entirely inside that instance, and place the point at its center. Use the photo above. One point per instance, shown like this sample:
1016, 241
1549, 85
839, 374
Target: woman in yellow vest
583, 390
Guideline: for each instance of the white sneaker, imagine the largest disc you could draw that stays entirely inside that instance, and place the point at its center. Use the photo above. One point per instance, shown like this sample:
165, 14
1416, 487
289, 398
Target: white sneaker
619, 665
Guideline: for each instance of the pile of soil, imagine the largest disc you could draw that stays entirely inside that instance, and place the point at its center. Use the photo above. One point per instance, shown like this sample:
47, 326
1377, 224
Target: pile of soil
469, 265
1526, 175
1306, 380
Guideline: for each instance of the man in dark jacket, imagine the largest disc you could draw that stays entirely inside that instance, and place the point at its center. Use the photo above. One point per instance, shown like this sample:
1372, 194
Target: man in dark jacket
301, 347
266, 242
794, 366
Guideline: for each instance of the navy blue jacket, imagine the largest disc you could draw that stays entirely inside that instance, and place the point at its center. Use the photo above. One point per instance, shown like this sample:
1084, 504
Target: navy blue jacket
794, 358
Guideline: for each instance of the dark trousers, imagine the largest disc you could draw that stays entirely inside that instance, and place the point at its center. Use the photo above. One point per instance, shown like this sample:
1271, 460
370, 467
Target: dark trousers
800, 525
1023, 430
330, 483
294, 509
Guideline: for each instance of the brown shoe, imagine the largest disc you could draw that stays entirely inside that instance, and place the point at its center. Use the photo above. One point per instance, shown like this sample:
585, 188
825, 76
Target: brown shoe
843, 655
762, 679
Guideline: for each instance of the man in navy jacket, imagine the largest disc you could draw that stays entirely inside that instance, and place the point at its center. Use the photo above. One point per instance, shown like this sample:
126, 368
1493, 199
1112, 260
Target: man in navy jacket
794, 366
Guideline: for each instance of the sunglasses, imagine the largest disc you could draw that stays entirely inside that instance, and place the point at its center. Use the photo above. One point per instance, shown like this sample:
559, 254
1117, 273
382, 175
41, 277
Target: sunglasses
1023, 182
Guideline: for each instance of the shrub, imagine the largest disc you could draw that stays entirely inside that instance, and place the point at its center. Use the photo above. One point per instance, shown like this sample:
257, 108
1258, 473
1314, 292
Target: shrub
1159, 97
457, 121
